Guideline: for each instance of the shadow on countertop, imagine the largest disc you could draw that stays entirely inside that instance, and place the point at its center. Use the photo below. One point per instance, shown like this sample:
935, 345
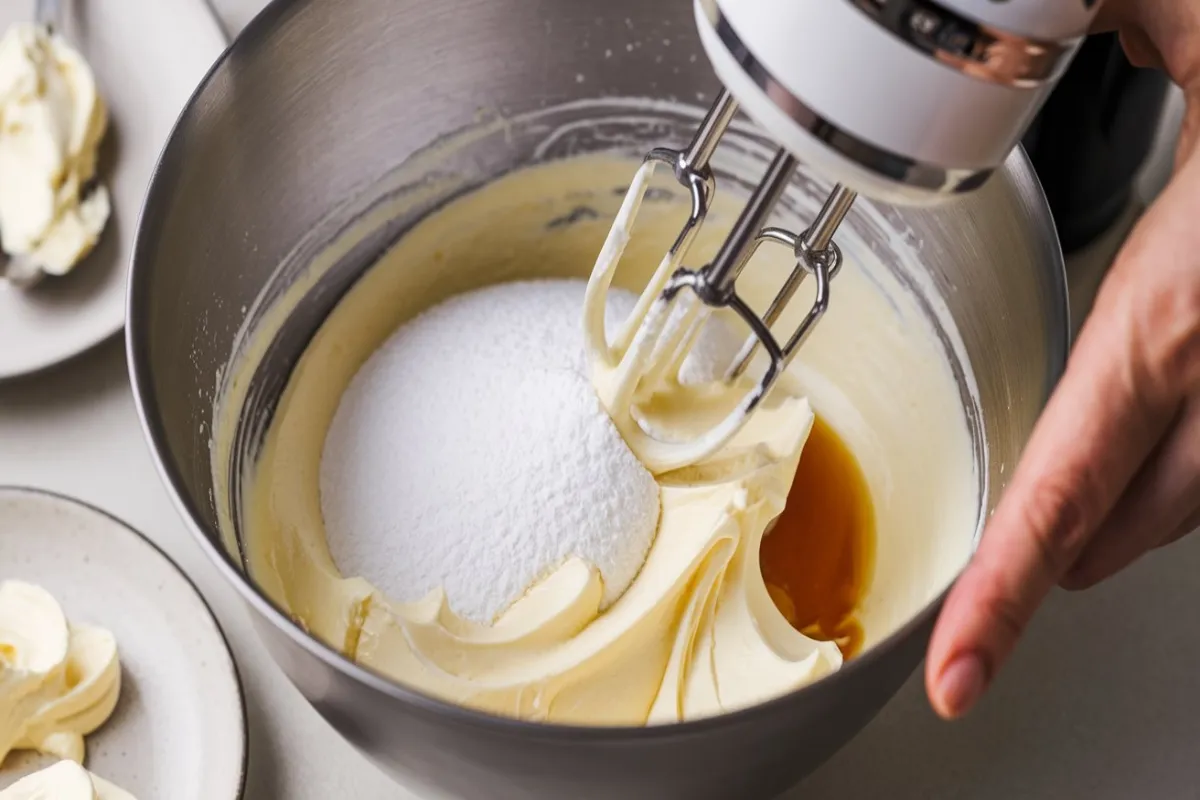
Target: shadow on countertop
1100, 701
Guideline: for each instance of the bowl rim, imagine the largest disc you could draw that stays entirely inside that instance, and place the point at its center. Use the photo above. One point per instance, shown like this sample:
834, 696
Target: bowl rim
1028, 190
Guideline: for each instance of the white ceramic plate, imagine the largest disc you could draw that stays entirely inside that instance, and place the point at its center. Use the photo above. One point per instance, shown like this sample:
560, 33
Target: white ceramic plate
148, 56
179, 730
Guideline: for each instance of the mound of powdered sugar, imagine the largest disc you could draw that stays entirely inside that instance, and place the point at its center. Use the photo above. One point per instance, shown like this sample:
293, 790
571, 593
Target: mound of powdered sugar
470, 452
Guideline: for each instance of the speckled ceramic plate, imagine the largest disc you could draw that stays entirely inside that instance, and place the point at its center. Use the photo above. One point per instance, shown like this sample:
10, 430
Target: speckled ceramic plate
148, 56
179, 730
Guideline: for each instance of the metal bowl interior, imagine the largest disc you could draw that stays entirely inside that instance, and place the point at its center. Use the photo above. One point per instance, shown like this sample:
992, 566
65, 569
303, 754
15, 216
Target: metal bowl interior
326, 111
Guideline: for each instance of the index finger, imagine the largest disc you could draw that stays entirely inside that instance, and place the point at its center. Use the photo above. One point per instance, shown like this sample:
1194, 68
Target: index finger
1085, 449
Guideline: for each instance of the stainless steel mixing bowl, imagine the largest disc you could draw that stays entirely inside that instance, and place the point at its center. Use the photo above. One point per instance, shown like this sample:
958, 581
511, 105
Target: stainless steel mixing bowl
319, 98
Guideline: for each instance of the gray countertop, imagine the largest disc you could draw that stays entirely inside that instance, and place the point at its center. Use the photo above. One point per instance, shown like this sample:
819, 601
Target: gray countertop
1100, 701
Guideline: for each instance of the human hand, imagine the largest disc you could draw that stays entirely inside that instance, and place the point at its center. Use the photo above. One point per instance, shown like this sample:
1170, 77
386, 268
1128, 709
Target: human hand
1112, 469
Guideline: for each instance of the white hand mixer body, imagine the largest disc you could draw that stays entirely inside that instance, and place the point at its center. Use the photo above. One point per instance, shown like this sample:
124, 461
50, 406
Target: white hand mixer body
907, 101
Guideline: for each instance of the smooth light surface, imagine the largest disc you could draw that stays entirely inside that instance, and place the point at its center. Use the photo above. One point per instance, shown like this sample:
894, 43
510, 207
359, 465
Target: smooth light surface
179, 727
147, 56
1068, 719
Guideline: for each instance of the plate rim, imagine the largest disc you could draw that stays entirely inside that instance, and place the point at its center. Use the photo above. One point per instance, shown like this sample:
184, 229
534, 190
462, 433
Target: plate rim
141, 538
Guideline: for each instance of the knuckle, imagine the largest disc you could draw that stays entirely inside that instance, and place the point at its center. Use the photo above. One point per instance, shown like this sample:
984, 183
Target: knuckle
1167, 333
1008, 616
1057, 520
1139, 50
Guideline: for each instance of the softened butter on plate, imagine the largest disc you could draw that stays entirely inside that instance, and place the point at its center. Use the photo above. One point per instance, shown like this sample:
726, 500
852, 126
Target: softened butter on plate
58, 681
65, 780
52, 120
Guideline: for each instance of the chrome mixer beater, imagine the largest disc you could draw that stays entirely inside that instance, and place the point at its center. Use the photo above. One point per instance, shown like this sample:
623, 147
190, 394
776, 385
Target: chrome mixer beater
906, 101
657, 337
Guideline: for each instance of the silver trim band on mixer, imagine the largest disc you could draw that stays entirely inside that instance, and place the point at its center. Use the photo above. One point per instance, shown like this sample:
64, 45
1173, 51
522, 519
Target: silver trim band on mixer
980, 51
896, 167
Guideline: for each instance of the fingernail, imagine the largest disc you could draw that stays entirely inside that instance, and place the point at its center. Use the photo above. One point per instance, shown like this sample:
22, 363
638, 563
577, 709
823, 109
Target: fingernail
961, 684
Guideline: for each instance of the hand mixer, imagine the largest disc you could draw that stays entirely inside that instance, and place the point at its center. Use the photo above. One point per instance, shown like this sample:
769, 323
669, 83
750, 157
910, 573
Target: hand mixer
907, 101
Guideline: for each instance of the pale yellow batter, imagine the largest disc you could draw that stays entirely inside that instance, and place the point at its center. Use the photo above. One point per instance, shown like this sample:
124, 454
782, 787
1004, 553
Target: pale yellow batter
696, 633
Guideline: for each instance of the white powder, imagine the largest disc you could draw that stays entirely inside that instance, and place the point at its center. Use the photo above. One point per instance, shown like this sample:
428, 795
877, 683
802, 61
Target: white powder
470, 452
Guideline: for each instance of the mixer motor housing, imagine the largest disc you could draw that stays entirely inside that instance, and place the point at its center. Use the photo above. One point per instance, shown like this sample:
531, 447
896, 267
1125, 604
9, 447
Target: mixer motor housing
907, 101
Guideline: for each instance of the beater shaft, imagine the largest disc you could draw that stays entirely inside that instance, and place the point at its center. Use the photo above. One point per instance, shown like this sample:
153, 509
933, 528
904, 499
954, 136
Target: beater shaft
704, 143
820, 234
715, 283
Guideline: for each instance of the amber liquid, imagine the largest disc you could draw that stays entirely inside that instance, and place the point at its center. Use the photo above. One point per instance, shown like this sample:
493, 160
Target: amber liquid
817, 559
